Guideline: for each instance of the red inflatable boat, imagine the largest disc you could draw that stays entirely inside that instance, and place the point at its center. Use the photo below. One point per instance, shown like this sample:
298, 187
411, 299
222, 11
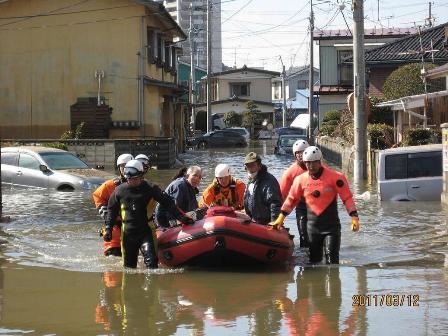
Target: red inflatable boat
223, 237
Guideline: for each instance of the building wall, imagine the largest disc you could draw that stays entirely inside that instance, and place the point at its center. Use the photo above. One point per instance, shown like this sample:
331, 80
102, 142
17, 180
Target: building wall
47, 62
260, 88
331, 102
377, 77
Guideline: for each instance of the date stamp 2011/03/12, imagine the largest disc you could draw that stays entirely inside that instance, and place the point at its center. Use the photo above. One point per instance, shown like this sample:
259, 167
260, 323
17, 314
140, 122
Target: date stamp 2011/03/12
385, 300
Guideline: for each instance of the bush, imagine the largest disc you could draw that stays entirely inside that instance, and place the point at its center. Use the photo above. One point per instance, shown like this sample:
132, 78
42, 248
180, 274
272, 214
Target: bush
380, 115
420, 136
332, 115
233, 119
381, 136
58, 145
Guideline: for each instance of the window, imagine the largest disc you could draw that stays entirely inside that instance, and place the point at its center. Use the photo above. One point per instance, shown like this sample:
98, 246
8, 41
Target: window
152, 46
9, 159
424, 164
396, 166
63, 161
218, 134
160, 49
345, 70
239, 89
28, 161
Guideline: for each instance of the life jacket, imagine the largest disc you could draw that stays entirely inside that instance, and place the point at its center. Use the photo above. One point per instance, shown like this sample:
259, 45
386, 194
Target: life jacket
226, 199
288, 178
220, 211
320, 193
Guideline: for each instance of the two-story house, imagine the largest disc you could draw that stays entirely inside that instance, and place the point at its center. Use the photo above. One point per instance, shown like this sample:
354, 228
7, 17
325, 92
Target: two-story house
336, 75
232, 89
109, 63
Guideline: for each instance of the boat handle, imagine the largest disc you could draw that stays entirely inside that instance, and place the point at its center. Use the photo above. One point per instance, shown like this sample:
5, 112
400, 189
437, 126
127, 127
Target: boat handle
415, 187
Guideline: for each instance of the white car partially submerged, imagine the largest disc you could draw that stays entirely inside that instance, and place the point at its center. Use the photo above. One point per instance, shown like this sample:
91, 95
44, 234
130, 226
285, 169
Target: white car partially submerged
410, 173
48, 168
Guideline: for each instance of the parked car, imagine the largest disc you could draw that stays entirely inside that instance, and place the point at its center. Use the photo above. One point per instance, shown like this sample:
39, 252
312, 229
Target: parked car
241, 130
410, 173
289, 130
285, 142
219, 138
44, 167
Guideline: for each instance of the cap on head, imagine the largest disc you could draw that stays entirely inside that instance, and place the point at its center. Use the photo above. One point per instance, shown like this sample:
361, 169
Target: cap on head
312, 153
143, 159
300, 146
124, 158
222, 170
252, 157
133, 168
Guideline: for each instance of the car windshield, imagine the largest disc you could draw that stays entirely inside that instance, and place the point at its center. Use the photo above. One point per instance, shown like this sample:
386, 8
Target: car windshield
241, 131
58, 161
288, 142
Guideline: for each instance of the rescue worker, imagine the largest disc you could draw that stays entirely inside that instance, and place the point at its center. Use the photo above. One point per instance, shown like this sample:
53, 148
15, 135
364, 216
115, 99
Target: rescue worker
144, 159
132, 200
320, 186
183, 190
296, 169
224, 190
101, 197
262, 198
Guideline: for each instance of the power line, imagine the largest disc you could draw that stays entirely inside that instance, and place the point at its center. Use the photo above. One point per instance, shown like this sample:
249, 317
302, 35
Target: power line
237, 11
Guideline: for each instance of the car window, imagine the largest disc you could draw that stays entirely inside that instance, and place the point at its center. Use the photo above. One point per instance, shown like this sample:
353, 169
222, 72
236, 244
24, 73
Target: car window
62, 161
239, 131
28, 161
396, 166
9, 159
232, 134
424, 164
218, 134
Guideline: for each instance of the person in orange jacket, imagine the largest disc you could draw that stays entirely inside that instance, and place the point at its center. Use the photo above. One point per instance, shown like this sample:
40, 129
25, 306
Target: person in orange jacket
224, 190
320, 186
101, 197
296, 169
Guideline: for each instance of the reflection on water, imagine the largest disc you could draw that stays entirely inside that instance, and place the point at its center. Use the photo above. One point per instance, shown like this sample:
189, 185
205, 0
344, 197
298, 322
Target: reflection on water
401, 249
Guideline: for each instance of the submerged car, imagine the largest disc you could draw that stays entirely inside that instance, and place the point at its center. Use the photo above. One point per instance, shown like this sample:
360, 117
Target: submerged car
411, 173
219, 138
289, 130
285, 142
241, 130
48, 168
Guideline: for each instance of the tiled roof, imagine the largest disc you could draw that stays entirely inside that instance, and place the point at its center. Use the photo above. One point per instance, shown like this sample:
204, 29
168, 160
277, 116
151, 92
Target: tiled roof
333, 89
408, 49
368, 33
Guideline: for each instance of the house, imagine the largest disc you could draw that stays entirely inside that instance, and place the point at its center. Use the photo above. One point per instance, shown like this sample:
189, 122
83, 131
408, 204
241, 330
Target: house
430, 45
335, 74
109, 63
232, 89
296, 83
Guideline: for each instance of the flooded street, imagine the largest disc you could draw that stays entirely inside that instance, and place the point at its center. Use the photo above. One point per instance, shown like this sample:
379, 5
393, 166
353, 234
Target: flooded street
54, 279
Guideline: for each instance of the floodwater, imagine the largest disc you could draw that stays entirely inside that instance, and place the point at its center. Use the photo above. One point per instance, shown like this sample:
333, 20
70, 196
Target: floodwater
54, 280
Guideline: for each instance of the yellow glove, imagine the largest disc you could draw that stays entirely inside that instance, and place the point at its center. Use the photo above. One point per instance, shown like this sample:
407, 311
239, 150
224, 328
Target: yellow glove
355, 223
278, 222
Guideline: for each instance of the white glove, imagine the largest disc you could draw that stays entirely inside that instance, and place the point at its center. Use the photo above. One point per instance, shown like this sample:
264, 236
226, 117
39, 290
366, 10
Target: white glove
103, 211
192, 214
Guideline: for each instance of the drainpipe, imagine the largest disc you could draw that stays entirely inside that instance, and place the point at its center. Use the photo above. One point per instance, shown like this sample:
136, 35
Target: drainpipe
141, 77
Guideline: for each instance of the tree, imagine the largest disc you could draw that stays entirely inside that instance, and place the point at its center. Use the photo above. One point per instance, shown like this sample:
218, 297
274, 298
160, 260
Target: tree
233, 119
250, 116
407, 81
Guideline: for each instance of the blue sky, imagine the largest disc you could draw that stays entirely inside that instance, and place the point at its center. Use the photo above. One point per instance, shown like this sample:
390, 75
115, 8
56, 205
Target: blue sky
256, 32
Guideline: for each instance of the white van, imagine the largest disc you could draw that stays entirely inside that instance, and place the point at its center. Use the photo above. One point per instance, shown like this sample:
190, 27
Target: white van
410, 173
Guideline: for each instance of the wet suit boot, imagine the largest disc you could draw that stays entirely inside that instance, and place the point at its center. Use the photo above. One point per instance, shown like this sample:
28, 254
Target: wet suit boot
149, 255
303, 234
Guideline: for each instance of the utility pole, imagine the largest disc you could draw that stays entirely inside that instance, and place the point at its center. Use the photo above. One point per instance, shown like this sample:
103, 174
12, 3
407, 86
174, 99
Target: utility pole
192, 70
423, 72
3, 219
311, 78
283, 93
359, 82
209, 69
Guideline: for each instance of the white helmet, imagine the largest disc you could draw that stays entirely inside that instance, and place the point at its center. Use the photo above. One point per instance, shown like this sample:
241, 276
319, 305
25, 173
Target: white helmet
299, 146
222, 170
133, 168
312, 153
143, 159
124, 158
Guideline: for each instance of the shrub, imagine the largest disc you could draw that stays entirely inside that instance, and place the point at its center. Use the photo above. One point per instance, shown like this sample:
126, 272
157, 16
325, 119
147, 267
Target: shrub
332, 115
380, 115
420, 136
381, 136
233, 119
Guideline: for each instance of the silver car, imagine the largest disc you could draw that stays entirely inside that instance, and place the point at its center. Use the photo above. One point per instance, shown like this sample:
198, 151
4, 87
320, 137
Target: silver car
47, 168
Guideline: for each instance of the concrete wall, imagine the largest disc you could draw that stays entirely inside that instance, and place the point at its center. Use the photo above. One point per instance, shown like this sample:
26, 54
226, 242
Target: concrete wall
444, 197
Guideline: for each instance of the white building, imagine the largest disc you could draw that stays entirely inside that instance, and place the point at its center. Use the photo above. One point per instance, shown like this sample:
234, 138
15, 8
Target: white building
180, 11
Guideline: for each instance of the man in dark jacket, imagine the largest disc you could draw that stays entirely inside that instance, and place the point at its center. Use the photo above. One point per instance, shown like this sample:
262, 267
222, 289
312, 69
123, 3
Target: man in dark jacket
263, 198
183, 190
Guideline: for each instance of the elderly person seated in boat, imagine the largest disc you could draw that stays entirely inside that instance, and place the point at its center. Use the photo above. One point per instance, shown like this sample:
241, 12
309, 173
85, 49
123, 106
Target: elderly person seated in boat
183, 189
263, 198
225, 190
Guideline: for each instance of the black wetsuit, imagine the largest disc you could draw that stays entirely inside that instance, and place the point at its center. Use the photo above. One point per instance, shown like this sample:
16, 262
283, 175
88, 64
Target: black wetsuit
131, 203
